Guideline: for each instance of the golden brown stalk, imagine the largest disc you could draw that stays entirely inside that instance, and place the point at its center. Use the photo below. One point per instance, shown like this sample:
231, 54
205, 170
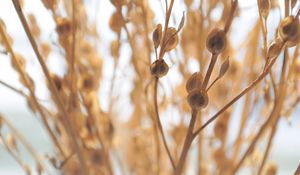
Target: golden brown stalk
246, 90
159, 125
187, 143
59, 103
23, 140
36, 103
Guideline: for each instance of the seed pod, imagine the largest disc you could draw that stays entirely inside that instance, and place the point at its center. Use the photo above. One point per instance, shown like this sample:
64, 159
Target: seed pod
171, 39
195, 81
197, 99
64, 26
156, 36
116, 22
159, 68
264, 7
275, 48
216, 41
289, 28
271, 169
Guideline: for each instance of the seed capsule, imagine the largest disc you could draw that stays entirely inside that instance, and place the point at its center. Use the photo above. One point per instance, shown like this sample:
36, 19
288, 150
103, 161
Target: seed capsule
159, 68
195, 81
171, 38
216, 41
289, 28
156, 36
197, 99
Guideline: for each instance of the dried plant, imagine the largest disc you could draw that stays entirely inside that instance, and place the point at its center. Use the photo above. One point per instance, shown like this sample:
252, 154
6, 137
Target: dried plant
89, 139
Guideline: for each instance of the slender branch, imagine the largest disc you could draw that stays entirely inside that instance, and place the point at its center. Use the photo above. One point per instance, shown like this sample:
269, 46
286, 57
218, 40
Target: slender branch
23, 140
187, 143
161, 52
13, 89
275, 113
73, 55
29, 87
297, 172
13, 154
229, 21
59, 103
247, 89
160, 128
267, 151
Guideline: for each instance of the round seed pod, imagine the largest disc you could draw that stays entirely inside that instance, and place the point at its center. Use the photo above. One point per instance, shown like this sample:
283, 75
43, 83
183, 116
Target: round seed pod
195, 81
64, 26
171, 38
159, 68
289, 28
197, 99
216, 41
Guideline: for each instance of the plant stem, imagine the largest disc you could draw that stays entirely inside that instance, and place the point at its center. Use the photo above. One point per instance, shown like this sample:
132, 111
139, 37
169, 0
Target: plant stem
241, 94
27, 84
187, 143
73, 57
209, 70
23, 140
59, 103
160, 128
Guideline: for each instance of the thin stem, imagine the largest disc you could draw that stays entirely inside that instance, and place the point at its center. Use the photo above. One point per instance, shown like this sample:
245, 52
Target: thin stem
161, 52
13, 89
29, 87
274, 114
73, 55
230, 18
267, 151
212, 83
247, 89
15, 157
23, 140
160, 128
59, 103
209, 70
187, 143
297, 172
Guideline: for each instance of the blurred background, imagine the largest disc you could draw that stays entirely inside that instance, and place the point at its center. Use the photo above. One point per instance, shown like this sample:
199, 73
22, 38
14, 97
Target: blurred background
286, 147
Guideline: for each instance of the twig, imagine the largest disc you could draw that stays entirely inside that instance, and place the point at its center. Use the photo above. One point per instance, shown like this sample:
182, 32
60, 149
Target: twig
160, 128
27, 84
59, 103
209, 70
23, 140
187, 143
247, 89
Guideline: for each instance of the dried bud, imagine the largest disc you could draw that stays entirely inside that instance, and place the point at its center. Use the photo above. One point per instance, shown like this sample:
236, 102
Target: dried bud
271, 170
275, 48
159, 68
156, 36
116, 22
216, 41
171, 39
289, 28
64, 26
264, 7
195, 81
197, 99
